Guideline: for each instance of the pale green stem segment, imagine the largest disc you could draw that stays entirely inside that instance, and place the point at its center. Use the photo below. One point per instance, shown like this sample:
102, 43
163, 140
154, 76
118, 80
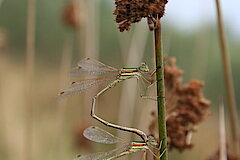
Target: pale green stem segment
160, 92
30, 60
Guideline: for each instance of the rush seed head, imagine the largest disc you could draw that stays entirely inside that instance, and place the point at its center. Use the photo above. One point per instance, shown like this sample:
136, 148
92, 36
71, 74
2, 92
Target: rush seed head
186, 108
132, 11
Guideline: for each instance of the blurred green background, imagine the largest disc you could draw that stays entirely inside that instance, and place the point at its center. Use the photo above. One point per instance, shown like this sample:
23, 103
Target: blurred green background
57, 126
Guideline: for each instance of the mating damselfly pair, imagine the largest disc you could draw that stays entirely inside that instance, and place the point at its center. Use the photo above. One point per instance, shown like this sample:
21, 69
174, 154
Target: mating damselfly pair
100, 73
91, 67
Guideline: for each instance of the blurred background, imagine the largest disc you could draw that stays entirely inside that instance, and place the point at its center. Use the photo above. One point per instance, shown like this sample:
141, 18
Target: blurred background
49, 129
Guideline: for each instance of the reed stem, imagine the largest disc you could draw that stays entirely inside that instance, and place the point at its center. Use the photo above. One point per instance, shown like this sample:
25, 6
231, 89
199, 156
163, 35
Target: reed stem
30, 54
160, 91
232, 108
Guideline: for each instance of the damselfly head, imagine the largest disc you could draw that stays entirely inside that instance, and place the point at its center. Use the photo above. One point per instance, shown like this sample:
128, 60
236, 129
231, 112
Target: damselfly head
143, 67
152, 141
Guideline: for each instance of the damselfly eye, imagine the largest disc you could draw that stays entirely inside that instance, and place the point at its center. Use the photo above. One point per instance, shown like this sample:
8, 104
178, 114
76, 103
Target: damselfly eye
143, 67
152, 141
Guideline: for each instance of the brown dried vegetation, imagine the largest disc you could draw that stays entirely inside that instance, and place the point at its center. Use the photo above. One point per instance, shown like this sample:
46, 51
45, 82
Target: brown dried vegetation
132, 11
73, 14
186, 108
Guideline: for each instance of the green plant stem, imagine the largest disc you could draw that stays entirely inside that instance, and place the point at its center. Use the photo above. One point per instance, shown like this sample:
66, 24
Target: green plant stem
160, 91
30, 54
228, 84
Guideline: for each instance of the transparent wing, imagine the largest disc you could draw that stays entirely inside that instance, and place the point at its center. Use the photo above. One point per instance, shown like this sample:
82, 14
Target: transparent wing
99, 135
142, 87
78, 87
91, 67
104, 155
93, 156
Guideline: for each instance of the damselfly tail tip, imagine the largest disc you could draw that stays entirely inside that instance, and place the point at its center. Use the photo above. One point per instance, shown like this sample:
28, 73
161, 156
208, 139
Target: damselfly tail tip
61, 93
59, 96
73, 83
78, 157
77, 67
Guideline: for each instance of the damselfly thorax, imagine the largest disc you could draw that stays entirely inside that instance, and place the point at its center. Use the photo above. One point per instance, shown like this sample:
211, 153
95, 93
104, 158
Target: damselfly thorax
127, 73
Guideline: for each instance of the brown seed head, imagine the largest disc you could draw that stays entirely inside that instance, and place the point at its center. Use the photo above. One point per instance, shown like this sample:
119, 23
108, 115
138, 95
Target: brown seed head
132, 11
186, 107
73, 14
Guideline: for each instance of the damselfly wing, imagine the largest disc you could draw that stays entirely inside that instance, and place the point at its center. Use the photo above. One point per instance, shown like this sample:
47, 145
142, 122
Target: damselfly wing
91, 67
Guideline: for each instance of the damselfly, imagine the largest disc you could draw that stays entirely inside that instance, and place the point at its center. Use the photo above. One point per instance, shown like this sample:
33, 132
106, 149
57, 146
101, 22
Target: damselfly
91, 67
99, 135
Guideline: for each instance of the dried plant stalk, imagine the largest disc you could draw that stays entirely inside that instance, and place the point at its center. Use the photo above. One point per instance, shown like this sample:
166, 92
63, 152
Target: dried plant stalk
64, 69
162, 130
228, 84
30, 54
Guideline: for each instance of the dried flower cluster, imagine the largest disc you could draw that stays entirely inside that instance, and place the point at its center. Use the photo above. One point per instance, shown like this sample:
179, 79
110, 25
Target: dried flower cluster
186, 108
132, 11
73, 14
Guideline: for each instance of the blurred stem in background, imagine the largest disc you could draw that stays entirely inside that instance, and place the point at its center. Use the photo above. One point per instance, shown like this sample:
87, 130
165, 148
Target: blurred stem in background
88, 40
30, 54
92, 29
234, 145
81, 13
160, 91
3, 117
61, 108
